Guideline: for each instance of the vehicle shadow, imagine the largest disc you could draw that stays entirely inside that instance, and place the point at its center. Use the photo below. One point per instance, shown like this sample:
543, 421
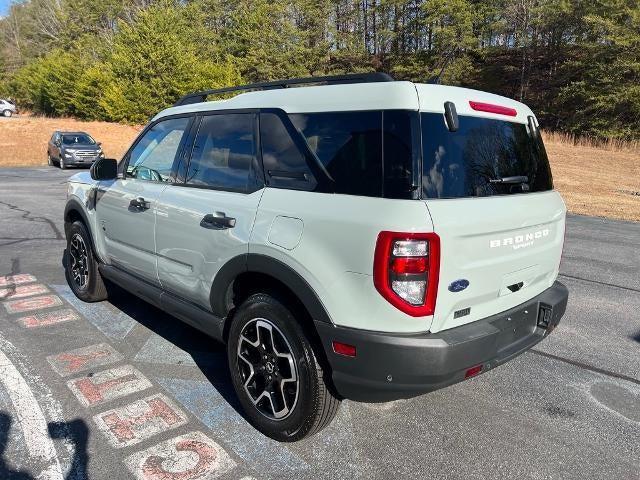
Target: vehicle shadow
208, 355
75, 432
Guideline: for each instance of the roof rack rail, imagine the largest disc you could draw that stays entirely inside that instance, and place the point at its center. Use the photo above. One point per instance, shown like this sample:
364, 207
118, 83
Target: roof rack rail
197, 97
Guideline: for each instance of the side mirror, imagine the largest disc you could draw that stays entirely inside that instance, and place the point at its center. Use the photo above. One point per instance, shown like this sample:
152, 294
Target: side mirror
99, 144
104, 169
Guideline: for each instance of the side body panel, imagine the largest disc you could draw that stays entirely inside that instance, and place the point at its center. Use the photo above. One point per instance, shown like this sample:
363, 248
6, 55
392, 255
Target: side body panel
329, 240
128, 232
190, 254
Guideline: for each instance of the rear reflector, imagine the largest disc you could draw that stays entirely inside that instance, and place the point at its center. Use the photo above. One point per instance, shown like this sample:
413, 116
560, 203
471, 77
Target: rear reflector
409, 265
491, 108
344, 349
473, 371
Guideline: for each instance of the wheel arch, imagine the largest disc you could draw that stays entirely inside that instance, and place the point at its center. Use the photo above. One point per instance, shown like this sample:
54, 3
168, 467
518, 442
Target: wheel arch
74, 211
247, 274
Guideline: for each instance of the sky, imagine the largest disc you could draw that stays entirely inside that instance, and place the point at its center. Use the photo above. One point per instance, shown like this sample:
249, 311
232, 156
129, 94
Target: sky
4, 7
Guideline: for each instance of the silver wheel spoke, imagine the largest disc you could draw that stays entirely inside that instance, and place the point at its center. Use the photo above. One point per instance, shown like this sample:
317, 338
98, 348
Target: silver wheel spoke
79, 261
267, 369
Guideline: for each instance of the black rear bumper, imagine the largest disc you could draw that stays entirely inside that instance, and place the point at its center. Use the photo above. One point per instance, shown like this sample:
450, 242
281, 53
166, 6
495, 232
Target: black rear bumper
391, 366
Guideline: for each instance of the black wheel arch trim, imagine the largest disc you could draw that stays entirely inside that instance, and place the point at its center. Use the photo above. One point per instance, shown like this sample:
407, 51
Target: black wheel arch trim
75, 206
221, 290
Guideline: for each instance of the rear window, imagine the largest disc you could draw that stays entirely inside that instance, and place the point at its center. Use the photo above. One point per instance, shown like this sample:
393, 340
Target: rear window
478, 159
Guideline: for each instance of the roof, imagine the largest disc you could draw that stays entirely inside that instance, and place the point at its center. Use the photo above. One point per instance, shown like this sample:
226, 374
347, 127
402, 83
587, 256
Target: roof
397, 95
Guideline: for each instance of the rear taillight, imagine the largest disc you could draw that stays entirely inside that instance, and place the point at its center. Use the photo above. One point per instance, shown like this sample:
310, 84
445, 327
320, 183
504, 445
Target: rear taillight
406, 269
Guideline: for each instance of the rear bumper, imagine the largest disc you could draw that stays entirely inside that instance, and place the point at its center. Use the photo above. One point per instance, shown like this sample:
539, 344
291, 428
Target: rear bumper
392, 366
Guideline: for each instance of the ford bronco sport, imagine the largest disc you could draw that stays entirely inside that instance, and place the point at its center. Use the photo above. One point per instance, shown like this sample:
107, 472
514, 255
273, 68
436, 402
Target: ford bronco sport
360, 238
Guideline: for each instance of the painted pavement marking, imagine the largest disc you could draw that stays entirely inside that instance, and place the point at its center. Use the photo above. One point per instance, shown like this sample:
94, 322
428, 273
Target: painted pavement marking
108, 385
45, 319
32, 303
204, 401
31, 419
142, 419
83, 359
10, 280
21, 291
186, 457
110, 321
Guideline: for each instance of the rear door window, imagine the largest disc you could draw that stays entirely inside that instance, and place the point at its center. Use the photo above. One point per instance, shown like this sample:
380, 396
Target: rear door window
224, 154
478, 159
284, 164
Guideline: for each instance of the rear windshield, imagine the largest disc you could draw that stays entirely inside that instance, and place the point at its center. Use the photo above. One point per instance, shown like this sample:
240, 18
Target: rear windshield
82, 139
478, 159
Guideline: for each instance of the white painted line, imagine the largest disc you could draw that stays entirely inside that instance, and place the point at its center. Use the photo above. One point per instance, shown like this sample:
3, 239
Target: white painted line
30, 418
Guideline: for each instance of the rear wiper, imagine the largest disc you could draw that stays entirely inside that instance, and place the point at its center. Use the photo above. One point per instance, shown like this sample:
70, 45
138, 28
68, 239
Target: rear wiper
517, 179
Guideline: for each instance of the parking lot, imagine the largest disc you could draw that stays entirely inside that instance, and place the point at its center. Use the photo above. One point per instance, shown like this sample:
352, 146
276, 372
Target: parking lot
119, 389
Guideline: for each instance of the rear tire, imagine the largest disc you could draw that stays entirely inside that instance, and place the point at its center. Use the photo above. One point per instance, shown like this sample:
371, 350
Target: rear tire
275, 372
81, 266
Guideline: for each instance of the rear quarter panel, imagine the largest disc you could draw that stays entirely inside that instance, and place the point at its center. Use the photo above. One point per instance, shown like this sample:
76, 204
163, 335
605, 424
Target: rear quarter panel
335, 250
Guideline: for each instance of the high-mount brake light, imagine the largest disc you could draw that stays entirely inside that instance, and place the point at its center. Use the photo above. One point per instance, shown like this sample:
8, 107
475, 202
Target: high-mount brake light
406, 269
491, 108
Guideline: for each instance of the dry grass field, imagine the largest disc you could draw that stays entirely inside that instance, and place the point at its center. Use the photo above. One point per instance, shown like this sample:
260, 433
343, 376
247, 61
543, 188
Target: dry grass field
601, 180
23, 139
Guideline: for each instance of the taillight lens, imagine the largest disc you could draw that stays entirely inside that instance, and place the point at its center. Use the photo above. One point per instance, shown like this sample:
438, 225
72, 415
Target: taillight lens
406, 268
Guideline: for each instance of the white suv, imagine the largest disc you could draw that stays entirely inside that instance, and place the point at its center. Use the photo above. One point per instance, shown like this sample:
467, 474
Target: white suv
7, 108
366, 238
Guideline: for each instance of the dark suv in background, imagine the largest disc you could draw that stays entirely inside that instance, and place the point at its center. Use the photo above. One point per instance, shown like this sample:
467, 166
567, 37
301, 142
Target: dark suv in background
73, 149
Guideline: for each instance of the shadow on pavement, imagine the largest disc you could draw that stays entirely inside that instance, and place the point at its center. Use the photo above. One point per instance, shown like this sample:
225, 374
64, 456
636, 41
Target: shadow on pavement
200, 347
75, 432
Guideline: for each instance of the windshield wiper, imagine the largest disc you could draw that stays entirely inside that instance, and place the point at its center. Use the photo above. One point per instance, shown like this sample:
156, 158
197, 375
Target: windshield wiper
517, 179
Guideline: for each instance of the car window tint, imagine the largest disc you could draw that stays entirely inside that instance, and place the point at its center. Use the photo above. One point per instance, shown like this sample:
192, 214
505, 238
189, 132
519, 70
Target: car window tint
78, 138
224, 153
349, 145
471, 161
153, 156
284, 164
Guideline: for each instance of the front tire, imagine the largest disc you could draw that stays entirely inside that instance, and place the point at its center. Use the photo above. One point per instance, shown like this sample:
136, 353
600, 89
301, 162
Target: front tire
7, 113
63, 165
275, 372
49, 160
81, 267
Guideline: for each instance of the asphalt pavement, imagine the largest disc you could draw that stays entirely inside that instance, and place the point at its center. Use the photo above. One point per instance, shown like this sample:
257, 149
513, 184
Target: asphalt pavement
119, 389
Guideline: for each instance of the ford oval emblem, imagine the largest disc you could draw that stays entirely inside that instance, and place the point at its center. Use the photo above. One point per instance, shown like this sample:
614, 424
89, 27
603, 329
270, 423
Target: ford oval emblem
458, 285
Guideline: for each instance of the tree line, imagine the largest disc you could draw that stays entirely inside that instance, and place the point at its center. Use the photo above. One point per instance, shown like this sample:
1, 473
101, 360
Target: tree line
575, 62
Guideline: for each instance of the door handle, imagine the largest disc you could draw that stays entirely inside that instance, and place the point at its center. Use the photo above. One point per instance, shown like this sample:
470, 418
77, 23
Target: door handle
217, 221
139, 204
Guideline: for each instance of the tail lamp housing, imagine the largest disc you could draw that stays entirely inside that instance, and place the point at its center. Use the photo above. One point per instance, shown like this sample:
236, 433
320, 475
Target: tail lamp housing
406, 269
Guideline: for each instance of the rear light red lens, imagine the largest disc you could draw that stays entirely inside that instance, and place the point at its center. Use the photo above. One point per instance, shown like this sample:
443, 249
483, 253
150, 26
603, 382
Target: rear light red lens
409, 265
409, 283
491, 108
473, 371
344, 349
